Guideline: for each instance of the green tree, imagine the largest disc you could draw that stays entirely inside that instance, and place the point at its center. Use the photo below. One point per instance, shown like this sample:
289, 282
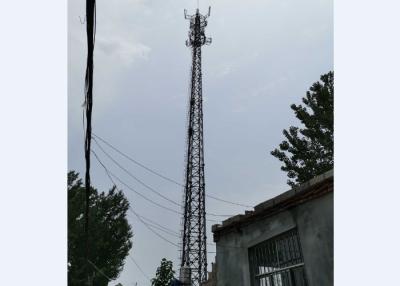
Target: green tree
164, 274
308, 151
109, 233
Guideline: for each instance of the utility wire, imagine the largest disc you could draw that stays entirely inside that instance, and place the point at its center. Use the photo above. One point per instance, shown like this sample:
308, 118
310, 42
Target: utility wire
98, 270
134, 177
153, 231
172, 233
228, 202
111, 175
159, 225
147, 186
144, 197
137, 215
104, 167
161, 175
140, 219
140, 269
132, 189
166, 232
136, 162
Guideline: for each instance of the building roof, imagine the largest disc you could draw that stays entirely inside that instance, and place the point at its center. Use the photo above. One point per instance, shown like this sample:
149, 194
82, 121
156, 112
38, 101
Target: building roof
309, 190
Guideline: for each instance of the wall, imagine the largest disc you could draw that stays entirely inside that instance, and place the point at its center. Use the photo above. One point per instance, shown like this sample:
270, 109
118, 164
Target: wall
314, 220
315, 225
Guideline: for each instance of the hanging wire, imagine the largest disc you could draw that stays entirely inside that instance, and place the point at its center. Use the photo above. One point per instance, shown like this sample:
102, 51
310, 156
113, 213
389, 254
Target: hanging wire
99, 271
153, 231
111, 175
90, 33
166, 231
134, 177
161, 175
136, 162
159, 225
147, 186
140, 269
136, 192
142, 218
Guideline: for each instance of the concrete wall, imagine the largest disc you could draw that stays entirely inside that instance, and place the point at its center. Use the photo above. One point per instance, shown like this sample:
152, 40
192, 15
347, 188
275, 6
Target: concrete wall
314, 220
315, 225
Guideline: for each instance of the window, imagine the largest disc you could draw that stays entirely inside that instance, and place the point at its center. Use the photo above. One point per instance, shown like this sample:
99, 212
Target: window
278, 261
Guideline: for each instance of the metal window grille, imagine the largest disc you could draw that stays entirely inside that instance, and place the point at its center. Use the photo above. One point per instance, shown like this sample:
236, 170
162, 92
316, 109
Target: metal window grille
278, 261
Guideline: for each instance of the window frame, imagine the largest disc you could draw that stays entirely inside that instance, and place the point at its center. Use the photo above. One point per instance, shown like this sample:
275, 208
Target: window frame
277, 257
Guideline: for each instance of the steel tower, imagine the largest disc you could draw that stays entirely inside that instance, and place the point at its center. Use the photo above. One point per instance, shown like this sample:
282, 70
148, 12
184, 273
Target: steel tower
194, 240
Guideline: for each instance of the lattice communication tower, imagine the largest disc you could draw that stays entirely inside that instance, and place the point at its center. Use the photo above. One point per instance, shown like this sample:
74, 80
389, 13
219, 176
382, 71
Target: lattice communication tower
194, 239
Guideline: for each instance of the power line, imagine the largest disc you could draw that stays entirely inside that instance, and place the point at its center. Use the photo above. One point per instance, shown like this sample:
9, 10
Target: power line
153, 231
98, 270
161, 175
105, 168
141, 219
140, 269
137, 215
143, 196
156, 225
136, 162
166, 232
110, 175
212, 214
147, 186
228, 202
156, 233
159, 225
160, 228
134, 177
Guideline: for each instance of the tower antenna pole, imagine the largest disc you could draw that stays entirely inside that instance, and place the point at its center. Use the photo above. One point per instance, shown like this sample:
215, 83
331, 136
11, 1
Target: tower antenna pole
194, 240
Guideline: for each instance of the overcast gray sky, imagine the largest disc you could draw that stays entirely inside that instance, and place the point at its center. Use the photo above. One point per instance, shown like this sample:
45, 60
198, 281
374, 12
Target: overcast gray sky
264, 56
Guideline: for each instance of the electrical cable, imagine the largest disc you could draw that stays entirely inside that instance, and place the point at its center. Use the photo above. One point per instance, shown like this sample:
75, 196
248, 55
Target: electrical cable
137, 215
147, 186
136, 162
159, 225
144, 197
160, 228
156, 233
110, 175
132, 189
98, 270
134, 177
161, 175
140, 269
90, 36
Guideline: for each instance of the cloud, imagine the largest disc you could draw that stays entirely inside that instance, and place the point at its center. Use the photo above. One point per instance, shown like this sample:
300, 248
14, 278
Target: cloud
271, 88
122, 50
224, 70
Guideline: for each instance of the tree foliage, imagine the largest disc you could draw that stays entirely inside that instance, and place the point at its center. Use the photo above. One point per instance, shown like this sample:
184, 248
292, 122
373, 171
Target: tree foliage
164, 274
308, 152
109, 233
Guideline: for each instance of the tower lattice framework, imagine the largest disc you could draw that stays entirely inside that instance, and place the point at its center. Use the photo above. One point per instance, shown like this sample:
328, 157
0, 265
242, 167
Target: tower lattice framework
194, 239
